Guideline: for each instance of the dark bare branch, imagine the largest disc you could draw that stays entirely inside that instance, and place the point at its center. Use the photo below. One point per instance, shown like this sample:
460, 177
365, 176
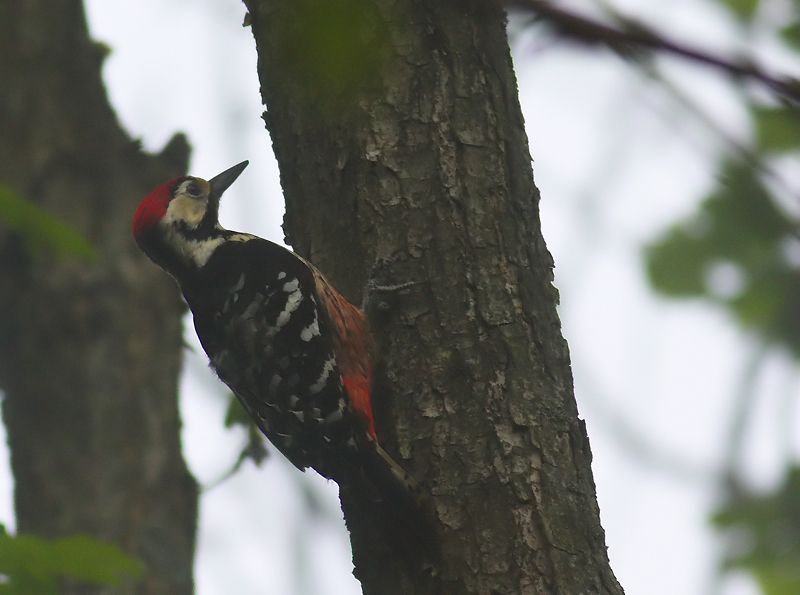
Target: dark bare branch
633, 38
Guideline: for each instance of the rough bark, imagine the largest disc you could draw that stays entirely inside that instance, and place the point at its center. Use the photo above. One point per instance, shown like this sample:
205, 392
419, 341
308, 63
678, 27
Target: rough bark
403, 157
89, 351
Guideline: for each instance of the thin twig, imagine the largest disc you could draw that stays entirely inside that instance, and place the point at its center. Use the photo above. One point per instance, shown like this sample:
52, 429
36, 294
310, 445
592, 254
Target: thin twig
744, 401
731, 483
739, 150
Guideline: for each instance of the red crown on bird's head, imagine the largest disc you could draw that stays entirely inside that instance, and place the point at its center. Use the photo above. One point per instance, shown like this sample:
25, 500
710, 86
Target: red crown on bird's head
154, 206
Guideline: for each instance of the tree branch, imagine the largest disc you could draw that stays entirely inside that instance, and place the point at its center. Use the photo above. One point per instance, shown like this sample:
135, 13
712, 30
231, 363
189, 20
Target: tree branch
634, 37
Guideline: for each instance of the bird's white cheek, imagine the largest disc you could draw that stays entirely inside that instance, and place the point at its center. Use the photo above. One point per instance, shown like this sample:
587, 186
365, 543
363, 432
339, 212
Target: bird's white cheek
188, 210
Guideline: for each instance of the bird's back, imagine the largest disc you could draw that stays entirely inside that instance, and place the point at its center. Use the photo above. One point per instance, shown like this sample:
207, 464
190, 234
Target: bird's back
258, 317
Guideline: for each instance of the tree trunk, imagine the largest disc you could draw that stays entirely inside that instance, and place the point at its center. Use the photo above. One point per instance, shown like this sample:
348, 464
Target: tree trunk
89, 351
403, 158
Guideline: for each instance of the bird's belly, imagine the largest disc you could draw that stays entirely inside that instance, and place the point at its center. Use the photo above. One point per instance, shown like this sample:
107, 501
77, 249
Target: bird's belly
295, 397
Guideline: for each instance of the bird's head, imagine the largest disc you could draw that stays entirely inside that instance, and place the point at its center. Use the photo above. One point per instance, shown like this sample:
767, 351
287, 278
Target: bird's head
177, 224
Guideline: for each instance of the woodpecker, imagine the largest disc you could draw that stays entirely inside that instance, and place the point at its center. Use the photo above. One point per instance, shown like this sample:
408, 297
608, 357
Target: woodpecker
295, 352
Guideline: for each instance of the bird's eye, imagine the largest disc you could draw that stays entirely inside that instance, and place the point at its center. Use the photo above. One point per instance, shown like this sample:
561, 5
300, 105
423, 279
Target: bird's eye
194, 189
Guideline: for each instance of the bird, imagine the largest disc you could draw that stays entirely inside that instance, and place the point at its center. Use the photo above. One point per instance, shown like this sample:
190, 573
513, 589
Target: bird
295, 352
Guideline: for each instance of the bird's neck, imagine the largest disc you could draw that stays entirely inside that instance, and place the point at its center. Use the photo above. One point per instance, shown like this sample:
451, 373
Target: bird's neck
182, 253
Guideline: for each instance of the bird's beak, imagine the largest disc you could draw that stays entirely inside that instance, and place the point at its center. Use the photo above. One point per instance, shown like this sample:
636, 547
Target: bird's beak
220, 183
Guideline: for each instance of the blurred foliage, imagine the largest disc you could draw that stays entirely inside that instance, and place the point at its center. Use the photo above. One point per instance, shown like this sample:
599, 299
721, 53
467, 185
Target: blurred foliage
791, 34
40, 229
738, 227
741, 250
744, 9
332, 51
741, 228
778, 128
790, 31
764, 532
31, 565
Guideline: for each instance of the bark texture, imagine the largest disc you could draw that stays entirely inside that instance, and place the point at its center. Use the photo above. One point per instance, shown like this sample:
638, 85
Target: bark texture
403, 158
89, 352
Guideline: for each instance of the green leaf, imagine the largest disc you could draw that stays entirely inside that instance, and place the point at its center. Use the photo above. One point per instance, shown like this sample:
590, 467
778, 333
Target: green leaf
739, 225
791, 35
236, 414
778, 128
33, 564
765, 529
743, 9
777, 581
40, 228
676, 264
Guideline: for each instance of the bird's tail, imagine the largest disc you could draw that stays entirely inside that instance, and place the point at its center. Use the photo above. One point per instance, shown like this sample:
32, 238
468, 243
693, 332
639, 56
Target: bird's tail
388, 471
398, 503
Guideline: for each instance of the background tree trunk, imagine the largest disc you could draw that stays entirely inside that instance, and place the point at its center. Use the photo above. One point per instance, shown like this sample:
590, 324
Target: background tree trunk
403, 157
89, 352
